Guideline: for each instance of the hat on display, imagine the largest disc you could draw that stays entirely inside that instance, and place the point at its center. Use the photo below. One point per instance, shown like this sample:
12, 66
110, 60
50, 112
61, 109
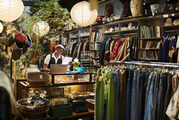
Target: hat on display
60, 46
24, 50
29, 41
16, 54
20, 39
9, 40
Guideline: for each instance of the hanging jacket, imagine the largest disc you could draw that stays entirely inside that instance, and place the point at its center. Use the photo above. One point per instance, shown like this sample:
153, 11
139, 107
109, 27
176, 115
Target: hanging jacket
102, 51
115, 49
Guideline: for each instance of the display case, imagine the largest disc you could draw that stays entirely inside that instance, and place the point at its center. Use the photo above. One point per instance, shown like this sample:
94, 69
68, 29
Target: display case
76, 84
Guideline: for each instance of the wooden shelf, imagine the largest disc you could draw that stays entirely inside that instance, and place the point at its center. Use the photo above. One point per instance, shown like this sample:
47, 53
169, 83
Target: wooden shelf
171, 26
26, 84
171, 31
84, 36
124, 19
129, 34
94, 50
148, 49
131, 30
95, 58
73, 37
156, 38
115, 32
95, 42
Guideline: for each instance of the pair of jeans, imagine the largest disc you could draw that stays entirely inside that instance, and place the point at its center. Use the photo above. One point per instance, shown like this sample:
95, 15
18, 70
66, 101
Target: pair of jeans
133, 96
128, 93
122, 94
168, 95
139, 84
161, 95
116, 92
144, 90
149, 101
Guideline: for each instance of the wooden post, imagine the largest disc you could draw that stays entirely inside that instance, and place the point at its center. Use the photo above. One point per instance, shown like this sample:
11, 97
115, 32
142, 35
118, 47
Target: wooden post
15, 82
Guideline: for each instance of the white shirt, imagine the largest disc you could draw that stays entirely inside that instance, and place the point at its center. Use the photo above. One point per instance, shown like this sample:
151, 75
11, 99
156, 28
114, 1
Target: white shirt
47, 59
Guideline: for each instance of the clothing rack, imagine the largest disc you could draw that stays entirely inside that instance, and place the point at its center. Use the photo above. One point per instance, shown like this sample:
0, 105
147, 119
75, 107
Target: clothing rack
154, 64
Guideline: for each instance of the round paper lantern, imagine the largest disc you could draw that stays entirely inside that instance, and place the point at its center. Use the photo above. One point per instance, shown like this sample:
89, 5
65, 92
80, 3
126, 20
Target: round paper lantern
41, 28
82, 14
11, 10
1, 27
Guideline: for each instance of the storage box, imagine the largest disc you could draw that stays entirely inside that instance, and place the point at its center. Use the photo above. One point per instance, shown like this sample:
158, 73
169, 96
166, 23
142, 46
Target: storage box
38, 78
60, 111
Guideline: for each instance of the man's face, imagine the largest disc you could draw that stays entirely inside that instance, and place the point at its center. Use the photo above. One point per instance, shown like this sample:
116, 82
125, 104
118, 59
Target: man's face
59, 50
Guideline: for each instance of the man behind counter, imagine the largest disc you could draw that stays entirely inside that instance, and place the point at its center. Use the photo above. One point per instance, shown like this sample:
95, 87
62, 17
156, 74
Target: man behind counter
54, 58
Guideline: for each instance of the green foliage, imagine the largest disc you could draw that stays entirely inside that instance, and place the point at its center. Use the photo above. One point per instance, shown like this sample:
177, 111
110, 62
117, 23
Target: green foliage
56, 16
51, 12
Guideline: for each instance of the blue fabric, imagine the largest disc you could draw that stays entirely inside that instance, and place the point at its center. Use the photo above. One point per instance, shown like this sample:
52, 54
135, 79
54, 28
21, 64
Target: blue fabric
128, 94
156, 96
140, 79
149, 106
165, 49
144, 90
116, 92
133, 96
105, 111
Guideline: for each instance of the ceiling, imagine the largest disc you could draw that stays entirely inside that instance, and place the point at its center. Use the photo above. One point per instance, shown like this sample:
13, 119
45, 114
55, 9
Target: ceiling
64, 3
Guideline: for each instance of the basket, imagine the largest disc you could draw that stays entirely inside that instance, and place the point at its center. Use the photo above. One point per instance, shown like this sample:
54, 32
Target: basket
38, 78
38, 113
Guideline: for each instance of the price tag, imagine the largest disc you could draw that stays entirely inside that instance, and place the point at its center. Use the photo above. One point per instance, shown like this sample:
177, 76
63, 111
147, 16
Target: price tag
41, 76
165, 15
100, 78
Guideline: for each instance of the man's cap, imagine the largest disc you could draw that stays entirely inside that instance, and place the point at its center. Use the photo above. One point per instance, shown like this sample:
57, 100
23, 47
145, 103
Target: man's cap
60, 46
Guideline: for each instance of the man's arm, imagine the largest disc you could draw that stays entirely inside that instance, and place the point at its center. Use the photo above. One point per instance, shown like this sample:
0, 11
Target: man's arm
46, 62
46, 68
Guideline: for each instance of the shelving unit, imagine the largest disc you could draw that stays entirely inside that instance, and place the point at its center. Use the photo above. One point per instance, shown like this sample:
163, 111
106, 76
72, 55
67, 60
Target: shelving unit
157, 20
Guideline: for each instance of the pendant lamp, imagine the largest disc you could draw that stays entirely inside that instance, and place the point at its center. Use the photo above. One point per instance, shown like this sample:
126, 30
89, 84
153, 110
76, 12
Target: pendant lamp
11, 10
82, 14
1, 27
41, 28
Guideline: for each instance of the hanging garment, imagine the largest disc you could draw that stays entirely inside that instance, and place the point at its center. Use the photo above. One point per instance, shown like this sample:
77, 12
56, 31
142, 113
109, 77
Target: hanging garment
116, 93
177, 47
165, 49
123, 51
173, 107
106, 95
102, 51
115, 49
128, 94
133, 48
122, 94
149, 104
